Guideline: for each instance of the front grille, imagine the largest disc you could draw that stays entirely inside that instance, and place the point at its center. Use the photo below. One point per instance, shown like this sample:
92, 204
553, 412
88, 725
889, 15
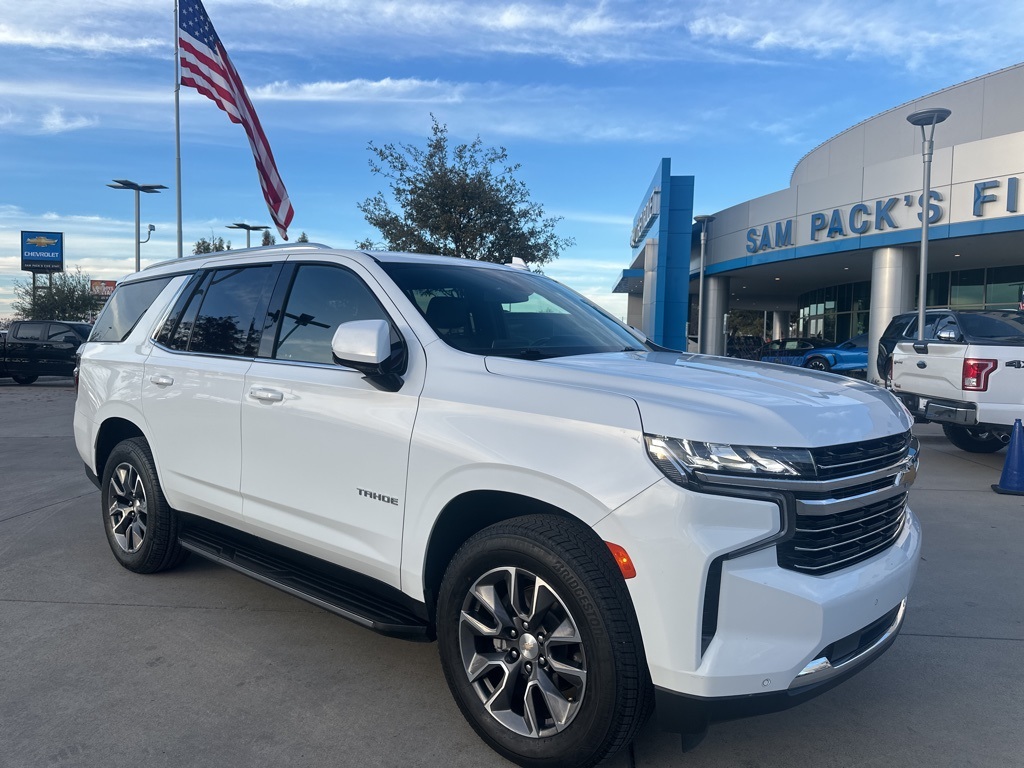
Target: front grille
825, 543
844, 523
856, 458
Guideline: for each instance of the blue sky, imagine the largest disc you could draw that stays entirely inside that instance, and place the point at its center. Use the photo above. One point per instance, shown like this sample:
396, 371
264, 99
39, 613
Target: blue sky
587, 96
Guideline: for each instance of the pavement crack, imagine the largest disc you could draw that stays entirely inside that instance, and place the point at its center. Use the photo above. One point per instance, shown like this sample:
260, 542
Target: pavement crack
963, 637
46, 506
105, 604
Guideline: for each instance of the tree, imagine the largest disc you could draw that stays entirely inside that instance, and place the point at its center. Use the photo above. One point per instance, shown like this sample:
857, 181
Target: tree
69, 297
462, 201
302, 238
213, 245
268, 239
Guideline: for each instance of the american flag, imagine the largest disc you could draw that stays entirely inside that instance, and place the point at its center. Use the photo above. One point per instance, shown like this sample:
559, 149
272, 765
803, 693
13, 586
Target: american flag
206, 67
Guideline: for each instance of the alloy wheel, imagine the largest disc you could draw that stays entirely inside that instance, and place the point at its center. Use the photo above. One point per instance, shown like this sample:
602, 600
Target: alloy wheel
128, 510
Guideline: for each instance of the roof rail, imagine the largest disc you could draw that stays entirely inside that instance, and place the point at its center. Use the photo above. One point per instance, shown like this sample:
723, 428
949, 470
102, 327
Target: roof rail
255, 251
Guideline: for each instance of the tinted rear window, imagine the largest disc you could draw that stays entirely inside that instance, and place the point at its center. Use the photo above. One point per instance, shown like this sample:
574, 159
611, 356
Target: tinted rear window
125, 308
1004, 325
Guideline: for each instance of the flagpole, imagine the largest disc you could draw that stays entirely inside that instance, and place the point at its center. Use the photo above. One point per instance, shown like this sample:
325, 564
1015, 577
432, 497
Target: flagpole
177, 125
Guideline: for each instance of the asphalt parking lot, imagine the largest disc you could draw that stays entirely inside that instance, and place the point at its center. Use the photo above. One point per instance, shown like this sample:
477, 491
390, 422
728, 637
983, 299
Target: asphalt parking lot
201, 666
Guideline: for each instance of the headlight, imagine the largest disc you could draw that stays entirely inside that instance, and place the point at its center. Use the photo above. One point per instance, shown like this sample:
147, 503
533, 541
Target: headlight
679, 459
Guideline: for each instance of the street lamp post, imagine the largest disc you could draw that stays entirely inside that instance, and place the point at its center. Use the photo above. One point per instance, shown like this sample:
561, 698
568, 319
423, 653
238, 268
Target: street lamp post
150, 189
703, 221
927, 119
249, 228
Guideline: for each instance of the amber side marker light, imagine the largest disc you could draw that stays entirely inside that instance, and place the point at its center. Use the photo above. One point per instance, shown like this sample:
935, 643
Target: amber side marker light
622, 560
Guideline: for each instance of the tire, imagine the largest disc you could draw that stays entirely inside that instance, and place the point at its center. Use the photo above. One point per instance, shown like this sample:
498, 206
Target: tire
141, 528
25, 380
818, 364
540, 702
973, 439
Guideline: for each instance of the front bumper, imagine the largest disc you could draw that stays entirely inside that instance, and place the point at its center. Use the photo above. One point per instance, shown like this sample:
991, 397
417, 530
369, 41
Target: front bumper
780, 636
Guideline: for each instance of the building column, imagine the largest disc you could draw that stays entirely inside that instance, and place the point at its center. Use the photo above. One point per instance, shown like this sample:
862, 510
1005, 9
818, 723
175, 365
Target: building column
893, 281
780, 325
716, 304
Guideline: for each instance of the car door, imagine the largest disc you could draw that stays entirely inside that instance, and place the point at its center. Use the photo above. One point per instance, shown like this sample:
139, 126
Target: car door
192, 387
325, 452
57, 353
24, 346
935, 367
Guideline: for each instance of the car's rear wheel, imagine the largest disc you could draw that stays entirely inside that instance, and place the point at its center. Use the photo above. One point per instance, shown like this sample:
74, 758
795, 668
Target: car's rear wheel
974, 439
141, 528
818, 364
25, 380
539, 643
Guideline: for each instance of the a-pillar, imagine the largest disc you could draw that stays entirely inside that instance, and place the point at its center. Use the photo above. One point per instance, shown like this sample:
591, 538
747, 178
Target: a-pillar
893, 281
716, 304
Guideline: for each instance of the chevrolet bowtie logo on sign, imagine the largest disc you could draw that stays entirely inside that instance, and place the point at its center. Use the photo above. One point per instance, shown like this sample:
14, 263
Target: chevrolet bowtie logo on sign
42, 251
40, 241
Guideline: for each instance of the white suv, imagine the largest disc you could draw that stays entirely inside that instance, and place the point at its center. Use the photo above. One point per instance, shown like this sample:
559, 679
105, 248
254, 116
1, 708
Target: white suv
588, 524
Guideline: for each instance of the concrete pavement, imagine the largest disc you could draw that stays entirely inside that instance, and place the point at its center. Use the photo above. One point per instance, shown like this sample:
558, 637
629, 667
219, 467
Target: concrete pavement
102, 668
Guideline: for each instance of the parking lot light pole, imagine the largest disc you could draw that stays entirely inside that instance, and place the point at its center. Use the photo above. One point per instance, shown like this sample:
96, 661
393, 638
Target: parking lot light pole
927, 119
703, 221
249, 228
150, 189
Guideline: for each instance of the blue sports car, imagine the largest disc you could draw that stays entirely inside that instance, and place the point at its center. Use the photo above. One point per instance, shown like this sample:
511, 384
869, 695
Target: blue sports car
818, 354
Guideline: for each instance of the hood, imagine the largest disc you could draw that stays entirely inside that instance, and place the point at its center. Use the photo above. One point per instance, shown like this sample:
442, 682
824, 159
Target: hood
726, 400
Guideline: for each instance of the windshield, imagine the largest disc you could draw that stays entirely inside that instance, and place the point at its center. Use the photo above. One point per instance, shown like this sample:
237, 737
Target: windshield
508, 312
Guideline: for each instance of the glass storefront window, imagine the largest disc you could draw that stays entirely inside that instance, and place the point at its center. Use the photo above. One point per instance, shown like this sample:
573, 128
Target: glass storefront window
1004, 287
967, 289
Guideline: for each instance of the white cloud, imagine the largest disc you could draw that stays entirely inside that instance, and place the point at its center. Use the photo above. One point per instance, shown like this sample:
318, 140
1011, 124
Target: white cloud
54, 121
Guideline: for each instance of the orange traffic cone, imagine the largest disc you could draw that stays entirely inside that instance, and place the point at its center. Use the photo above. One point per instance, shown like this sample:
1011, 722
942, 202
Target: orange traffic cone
1012, 479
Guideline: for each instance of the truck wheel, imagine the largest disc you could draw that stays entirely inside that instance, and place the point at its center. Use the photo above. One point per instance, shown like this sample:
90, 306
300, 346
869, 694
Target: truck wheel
539, 643
141, 528
818, 364
25, 380
973, 439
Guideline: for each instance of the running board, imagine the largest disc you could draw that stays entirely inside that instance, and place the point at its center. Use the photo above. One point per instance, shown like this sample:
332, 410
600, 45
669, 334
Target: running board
347, 594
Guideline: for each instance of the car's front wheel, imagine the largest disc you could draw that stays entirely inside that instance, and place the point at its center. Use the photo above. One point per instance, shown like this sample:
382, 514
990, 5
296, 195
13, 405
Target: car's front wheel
141, 527
818, 364
539, 643
974, 439
25, 380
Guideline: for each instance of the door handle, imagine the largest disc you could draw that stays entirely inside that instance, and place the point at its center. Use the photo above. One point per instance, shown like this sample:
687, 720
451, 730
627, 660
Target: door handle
266, 395
161, 381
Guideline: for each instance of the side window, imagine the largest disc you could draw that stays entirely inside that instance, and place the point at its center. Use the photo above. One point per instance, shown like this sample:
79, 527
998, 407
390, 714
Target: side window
58, 331
224, 321
29, 331
321, 298
946, 323
125, 308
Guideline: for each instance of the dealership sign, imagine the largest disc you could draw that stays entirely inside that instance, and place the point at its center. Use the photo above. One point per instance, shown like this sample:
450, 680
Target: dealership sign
42, 251
102, 288
880, 216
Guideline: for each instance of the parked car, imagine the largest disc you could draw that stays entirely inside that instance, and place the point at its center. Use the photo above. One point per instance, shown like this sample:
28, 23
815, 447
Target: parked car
818, 354
743, 347
967, 374
440, 448
34, 348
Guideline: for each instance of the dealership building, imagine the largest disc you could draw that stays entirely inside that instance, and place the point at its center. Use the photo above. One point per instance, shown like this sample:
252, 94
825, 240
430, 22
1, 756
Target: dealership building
840, 247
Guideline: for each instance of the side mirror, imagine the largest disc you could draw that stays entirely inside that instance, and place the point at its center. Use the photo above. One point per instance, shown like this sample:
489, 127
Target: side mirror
365, 345
947, 335
71, 339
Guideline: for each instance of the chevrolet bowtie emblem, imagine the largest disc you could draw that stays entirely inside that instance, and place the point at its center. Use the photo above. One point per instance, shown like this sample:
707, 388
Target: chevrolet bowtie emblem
40, 242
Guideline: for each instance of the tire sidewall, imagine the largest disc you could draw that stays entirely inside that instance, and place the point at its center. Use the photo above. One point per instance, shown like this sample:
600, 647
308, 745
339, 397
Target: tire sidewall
963, 439
576, 744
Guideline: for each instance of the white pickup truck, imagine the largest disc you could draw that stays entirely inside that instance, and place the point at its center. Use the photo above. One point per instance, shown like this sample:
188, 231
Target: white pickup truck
966, 374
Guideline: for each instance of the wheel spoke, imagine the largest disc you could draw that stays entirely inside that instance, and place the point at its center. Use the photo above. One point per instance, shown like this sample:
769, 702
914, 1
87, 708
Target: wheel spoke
543, 599
560, 708
574, 675
488, 598
481, 664
564, 633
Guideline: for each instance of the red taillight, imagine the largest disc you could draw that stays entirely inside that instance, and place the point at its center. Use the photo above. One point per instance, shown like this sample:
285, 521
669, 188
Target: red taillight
976, 373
